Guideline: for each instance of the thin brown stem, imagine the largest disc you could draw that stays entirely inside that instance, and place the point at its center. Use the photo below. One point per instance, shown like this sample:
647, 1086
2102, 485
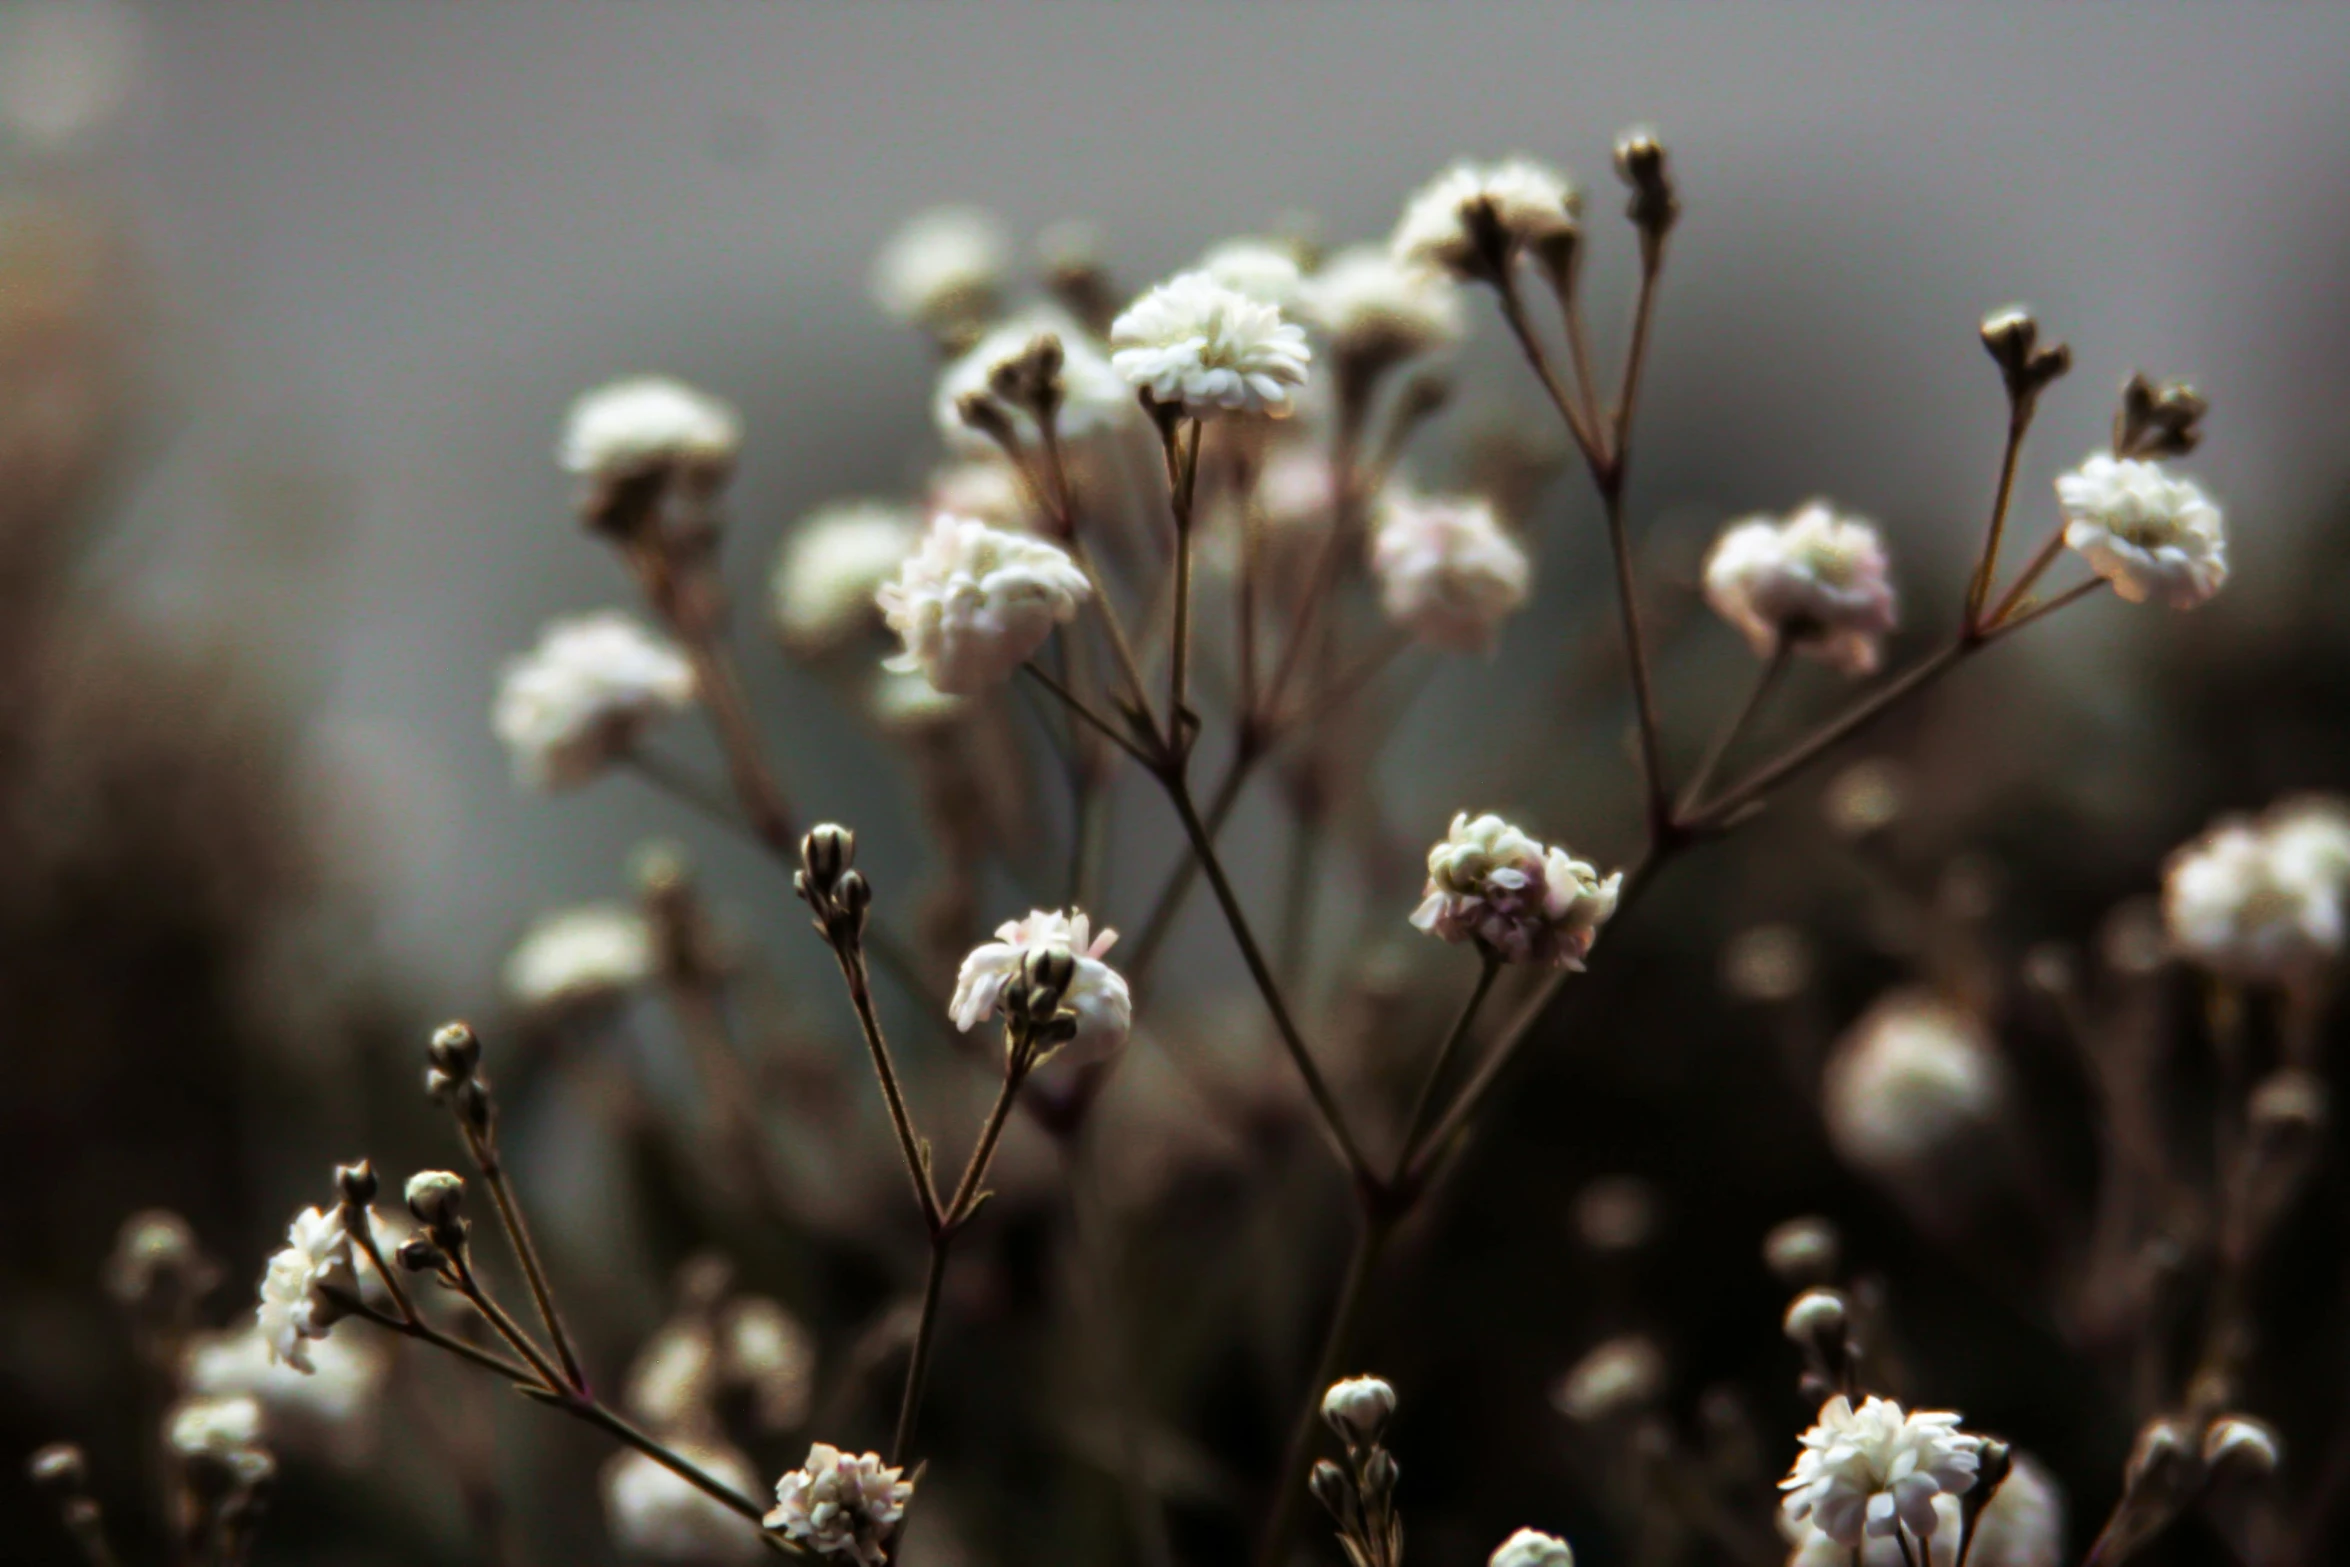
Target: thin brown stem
1652, 266
901, 1444
1765, 683
1652, 767
2017, 619
1424, 1105
1579, 356
363, 1232
469, 1285
1185, 465
493, 1174
2019, 419
613, 1424
1160, 923
852, 970
425, 1333
1513, 311
1078, 708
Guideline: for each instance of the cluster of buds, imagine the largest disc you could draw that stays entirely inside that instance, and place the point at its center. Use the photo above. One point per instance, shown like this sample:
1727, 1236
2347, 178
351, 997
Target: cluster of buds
1360, 1495
1819, 1322
1654, 207
1036, 1023
436, 1198
2175, 1461
60, 1471
158, 1274
453, 1075
2157, 419
222, 1475
835, 891
2028, 366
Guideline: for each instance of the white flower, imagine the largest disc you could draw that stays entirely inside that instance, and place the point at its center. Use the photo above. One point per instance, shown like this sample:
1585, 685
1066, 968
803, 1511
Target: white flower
1617, 1376
1195, 342
1867, 1471
2150, 535
2023, 1526
579, 957
1375, 308
986, 487
347, 1374
1448, 572
767, 1350
1914, 1079
831, 565
1529, 202
1358, 1409
1531, 1548
1491, 884
974, 602
580, 699
2260, 900
294, 1305
214, 1427
2309, 838
1098, 994
841, 1506
1816, 581
1094, 398
654, 1512
943, 268
631, 427
1261, 269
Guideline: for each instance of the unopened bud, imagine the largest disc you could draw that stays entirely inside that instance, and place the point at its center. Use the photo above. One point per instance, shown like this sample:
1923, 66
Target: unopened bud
1819, 1324
2162, 1461
1380, 1474
1334, 1491
1641, 164
1049, 972
825, 852
473, 1104
1358, 1409
455, 1050
419, 1255
1531, 1548
983, 413
356, 1183
2243, 1443
1804, 1252
853, 894
436, 1197
60, 1468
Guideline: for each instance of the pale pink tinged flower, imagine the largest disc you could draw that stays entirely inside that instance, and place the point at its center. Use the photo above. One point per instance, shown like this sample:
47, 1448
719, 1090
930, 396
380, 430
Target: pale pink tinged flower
1491, 884
1869, 1470
295, 1307
579, 700
1209, 349
1448, 571
973, 602
1814, 581
1098, 994
838, 1505
1528, 202
2150, 535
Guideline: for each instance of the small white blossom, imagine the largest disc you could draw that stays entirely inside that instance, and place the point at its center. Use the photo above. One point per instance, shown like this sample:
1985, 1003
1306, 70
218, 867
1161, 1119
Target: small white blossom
837, 1505
2261, 900
2022, 1526
294, 1305
654, 1512
974, 602
1358, 1409
1491, 884
334, 1399
1617, 1376
214, 1427
986, 487
1815, 581
1262, 269
1531, 1548
1529, 202
631, 427
1095, 399
1098, 994
579, 957
1867, 1471
831, 565
1448, 571
1375, 308
2150, 535
1192, 341
944, 268
767, 1350
1913, 1080
575, 703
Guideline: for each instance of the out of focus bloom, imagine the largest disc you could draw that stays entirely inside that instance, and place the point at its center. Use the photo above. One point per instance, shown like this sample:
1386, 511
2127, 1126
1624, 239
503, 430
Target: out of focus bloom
1867, 1471
1098, 994
1262, 269
837, 1505
1523, 201
942, 270
1531, 1548
295, 1307
1193, 342
631, 428
1094, 397
2262, 900
831, 565
1358, 1409
1815, 581
579, 700
1448, 572
2150, 535
656, 1513
1376, 309
1914, 1080
1491, 884
1616, 1376
973, 602
210, 1427
347, 1374
579, 957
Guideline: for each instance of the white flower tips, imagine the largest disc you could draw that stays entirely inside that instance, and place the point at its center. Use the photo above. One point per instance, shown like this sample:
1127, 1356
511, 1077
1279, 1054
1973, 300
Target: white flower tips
1196, 344
1096, 992
1472, 219
1814, 582
296, 1303
1517, 900
1871, 1470
654, 1512
579, 701
1376, 310
2150, 535
943, 270
1531, 1548
1448, 572
1358, 1409
829, 568
974, 602
2263, 899
635, 428
578, 958
838, 1505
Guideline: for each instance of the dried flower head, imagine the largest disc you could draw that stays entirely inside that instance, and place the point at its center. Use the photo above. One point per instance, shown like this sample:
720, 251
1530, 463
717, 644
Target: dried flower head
1532, 1548
973, 602
579, 700
829, 568
2150, 535
1914, 1079
1867, 1471
1524, 903
1094, 399
1194, 343
1813, 581
1098, 994
2260, 900
578, 958
1448, 571
943, 270
295, 1306
630, 429
1376, 311
655, 1513
1473, 219
838, 1505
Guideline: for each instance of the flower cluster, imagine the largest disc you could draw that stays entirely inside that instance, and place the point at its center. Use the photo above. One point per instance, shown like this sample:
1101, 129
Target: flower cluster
1912, 1079
634, 427
1448, 571
1376, 310
942, 270
2151, 535
838, 1505
1870, 1470
579, 701
829, 568
1815, 582
1098, 994
1521, 902
2263, 899
974, 602
1094, 399
579, 957
1451, 223
1200, 345
295, 1304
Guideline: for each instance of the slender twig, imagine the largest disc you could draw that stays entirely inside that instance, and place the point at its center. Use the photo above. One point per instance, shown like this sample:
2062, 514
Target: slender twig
852, 970
1579, 356
1767, 681
1652, 266
493, 1174
1160, 922
918, 1363
1185, 467
2019, 420
424, 1332
469, 1285
1513, 311
1424, 1104
364, 1233
2018, 618
608, 1420
1093, 720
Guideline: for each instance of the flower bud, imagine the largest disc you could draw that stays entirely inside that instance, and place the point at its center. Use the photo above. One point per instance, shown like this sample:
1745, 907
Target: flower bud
472, 1101
1048, 971
1358, 1409
1531, 1548
1334, 1491
2243, 1442
1803, 1252
853, 895
455, 1049
60, 1468
1817, 1320
419, 1255
356, 1183
1641, 164
436, 1197
825, 852
1380, 1474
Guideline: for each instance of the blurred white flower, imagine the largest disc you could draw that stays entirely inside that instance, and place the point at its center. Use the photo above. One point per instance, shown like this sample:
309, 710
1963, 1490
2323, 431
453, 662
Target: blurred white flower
1491, 884
212, 1427
943, 269
1095, 399
579, 957
1098, 994
765, 1349
1358, 1409
838, 1505
1914, 1079
1528, 202
334, 1405
973, 602
1194, 342
1448, 571
1531, 1548
831, 565
579, 700
1615, 1377
2150, 535
1815, 581
294, 1305
1866, 1471
986, 487
1262, 269
632, 427
671, 1382
2259, 900
1375, 309
2022, 1527
655, 1513
2309, 838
